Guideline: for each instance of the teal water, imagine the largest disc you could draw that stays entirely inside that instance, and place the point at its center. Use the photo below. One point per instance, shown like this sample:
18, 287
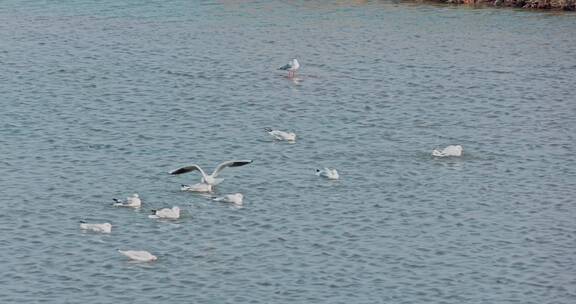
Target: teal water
100, 99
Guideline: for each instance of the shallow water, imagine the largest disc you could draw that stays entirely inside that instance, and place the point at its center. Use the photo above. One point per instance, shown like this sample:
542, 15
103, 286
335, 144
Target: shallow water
100, 99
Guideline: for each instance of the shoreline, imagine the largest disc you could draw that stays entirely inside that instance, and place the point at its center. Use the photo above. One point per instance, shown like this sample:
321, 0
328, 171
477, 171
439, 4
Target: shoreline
564, 5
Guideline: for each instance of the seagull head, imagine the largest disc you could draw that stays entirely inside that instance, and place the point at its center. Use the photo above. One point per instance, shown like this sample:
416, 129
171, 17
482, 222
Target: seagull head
295, 64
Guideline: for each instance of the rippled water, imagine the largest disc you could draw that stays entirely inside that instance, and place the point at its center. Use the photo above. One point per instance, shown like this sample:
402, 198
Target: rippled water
100, 99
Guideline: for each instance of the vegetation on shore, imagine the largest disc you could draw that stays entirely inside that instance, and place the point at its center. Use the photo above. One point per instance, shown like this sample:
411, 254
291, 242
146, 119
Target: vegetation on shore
568, 5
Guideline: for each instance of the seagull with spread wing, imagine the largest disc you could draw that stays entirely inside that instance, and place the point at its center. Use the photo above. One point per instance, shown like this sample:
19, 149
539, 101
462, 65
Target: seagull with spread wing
211, 180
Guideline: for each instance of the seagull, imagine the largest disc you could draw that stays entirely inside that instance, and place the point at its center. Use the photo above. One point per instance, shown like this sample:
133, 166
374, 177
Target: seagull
104, 228
140, 256
452, 150
211, 179
281, 135
235, 199
291, 67
200, 187
328, 173
166, 213
131, 201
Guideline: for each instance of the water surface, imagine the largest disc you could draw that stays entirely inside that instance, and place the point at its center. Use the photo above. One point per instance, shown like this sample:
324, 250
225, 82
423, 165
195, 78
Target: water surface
100, 99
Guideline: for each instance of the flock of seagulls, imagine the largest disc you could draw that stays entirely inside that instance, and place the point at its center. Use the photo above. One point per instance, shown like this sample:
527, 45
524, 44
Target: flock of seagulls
208, 183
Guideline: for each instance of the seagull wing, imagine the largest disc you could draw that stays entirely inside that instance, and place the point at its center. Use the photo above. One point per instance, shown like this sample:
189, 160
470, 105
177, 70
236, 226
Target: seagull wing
188, 169
286, 66
230, 163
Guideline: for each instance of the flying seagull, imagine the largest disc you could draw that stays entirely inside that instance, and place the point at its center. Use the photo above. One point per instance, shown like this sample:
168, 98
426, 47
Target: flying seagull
211, 179
291, 67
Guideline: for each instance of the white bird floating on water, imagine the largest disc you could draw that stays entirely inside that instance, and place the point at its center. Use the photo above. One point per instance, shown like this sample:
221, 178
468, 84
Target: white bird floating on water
281, 135
103, 228
235, 199
291, 67
131, 201
140, 256
328, 173
452, 150
166, 213
208, 181
200, 187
